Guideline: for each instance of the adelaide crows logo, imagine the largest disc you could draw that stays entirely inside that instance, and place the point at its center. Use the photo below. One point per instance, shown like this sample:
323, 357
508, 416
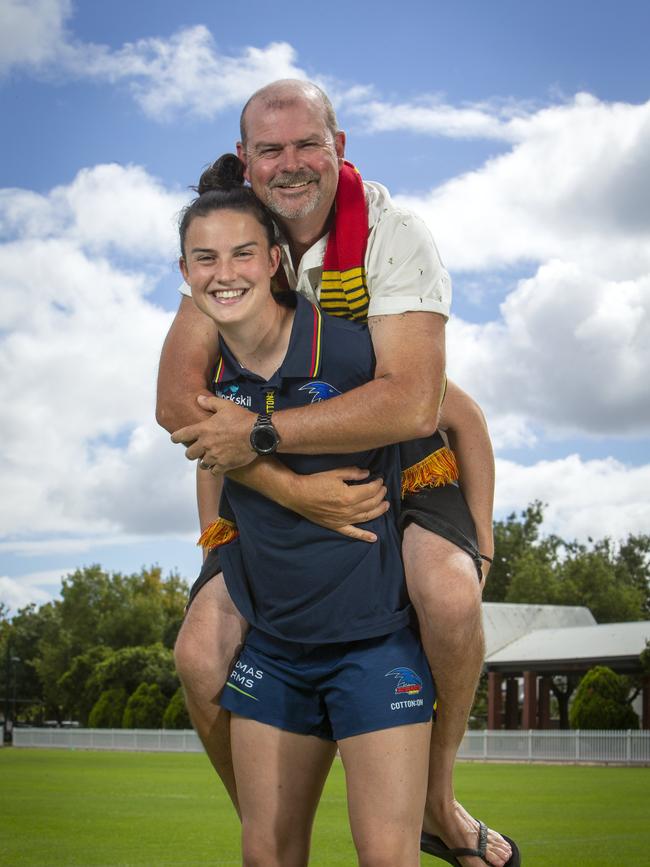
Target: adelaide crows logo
408, 682
319, 390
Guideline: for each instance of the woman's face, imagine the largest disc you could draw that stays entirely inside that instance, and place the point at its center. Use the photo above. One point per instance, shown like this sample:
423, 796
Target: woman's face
228, 264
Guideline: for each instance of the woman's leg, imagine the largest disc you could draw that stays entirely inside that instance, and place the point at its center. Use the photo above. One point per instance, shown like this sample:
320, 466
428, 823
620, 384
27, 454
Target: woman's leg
386, 774
280, 777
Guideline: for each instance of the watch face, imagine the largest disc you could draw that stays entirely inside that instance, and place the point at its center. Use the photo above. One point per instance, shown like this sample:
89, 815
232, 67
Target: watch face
265, 438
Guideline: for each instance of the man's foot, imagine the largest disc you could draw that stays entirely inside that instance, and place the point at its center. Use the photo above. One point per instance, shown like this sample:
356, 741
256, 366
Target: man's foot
457, 829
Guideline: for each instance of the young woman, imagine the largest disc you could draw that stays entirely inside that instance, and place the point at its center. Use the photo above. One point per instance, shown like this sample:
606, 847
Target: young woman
331, 658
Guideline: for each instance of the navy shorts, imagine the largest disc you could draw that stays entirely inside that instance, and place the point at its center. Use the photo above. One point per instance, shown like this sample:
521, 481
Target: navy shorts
332, 691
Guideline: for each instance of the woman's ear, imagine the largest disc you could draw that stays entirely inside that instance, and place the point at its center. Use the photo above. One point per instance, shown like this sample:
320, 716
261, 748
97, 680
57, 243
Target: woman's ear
183, 269
274, 255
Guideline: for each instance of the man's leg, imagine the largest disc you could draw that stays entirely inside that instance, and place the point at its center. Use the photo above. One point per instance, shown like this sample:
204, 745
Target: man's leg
207, 645
386, 782
445, 591
280, 777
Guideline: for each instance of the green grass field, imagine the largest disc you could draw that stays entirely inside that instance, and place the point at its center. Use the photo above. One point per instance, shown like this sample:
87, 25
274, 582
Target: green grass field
60, 808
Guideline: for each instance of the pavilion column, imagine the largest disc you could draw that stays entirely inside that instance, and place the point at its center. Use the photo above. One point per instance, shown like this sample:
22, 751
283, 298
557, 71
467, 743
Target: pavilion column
512, 703
529, 713
645, 714
494, 700
544, 708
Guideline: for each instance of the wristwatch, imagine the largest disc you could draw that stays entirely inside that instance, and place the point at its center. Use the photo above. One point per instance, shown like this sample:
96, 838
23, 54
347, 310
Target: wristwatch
264, 437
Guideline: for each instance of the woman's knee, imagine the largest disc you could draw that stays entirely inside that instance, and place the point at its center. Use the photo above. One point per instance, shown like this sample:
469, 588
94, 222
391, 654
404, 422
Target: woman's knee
261, 849
384, 852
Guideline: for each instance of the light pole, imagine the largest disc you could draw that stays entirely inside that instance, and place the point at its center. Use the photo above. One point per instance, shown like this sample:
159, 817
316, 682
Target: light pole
10, 668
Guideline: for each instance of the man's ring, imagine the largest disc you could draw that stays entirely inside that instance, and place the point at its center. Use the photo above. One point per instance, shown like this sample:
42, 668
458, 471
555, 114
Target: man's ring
204, 466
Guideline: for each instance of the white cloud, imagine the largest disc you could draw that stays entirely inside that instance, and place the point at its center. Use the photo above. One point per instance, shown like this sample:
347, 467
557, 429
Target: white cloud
596, 498
78, 355
573, 187
433, 116
185, 74
570, 352
31, 31
18, 592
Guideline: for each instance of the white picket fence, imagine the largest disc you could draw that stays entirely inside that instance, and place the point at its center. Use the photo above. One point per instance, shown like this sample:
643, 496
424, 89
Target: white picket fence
619, 747
601, 747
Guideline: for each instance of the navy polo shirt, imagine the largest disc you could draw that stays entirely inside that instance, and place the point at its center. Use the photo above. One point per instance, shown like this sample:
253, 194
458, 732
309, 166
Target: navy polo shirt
287, 576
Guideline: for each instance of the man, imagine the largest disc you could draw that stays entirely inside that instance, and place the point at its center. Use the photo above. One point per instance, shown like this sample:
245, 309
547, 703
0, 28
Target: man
293, 153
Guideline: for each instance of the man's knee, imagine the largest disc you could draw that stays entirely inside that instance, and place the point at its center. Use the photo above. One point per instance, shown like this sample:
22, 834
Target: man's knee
210, 636
442, 581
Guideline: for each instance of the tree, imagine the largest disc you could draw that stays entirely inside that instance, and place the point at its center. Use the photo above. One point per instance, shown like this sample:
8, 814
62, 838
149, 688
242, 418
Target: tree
534, 580
108, 710
595, 577
513, 539
119, 610
633, 567
176, 715
145, 708
601, 702
131, 666
78, 694
24, 634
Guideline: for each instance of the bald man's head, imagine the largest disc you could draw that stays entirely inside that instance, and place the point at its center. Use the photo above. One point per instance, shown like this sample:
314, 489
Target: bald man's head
288, 92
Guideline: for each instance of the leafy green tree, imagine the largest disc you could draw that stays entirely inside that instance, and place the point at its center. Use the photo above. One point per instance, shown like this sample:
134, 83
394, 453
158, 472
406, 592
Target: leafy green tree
601, 702
119, 610
176, 715
23, 634
633, 567
145, 708
131, 666
534, 580
108, 710
78, 694
593, 577
514, 538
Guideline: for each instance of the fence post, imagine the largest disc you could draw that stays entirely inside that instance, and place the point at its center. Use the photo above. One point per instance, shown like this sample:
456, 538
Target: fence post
530, 745
485, 743
577, 745
628, 747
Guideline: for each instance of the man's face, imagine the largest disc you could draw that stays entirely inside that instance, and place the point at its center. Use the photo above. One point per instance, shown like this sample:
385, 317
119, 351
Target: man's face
292, 159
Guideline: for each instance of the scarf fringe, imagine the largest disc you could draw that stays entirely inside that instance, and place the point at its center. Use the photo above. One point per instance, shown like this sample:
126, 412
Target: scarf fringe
437, 469
218, 533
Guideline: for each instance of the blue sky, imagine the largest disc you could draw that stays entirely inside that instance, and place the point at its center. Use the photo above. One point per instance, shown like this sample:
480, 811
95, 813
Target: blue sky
519, 131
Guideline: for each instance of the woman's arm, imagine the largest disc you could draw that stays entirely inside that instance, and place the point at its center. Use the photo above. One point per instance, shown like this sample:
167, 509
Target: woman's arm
464, 424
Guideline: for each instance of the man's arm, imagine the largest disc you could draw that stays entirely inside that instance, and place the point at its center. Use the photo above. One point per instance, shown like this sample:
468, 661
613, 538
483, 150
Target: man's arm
187, 360
188, 357
464, 423
400, 403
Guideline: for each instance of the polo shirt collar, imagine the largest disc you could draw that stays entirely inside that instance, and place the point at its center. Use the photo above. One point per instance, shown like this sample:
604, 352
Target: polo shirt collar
303, 358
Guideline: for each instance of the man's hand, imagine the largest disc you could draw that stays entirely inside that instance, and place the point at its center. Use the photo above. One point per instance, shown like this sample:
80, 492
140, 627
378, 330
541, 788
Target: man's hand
327, 500
221, 441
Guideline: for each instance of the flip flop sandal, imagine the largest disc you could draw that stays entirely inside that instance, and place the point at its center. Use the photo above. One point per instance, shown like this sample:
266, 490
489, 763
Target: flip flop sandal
433, 845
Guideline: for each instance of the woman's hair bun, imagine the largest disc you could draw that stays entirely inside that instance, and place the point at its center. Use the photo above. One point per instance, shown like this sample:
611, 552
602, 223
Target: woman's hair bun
226, 173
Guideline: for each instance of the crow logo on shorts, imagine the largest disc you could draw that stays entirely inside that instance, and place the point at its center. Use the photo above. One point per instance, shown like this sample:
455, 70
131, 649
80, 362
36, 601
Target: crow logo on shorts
408, 682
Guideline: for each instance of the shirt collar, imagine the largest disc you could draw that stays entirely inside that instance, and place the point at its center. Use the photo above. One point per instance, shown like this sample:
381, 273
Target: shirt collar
303, 358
